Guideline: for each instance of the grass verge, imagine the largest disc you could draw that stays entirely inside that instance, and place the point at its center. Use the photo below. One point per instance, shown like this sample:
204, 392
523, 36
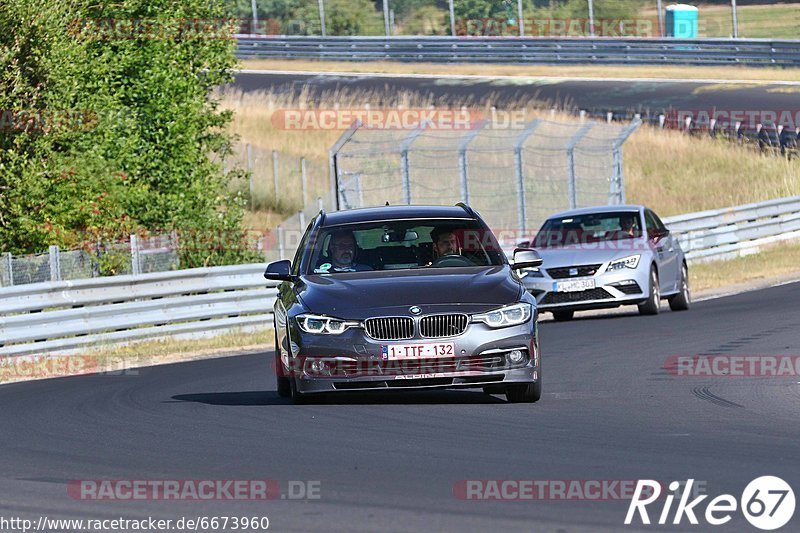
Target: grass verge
119, 359
561, 71
775, 261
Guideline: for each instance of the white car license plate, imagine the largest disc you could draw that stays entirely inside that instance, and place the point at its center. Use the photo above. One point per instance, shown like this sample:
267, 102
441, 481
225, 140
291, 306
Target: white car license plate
573, 285
417, 351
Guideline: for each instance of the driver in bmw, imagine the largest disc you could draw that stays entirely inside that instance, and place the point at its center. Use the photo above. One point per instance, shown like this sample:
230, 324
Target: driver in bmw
445, 242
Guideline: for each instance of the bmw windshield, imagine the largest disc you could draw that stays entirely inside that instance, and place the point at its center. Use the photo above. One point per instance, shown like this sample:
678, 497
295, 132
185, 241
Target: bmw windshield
403, 244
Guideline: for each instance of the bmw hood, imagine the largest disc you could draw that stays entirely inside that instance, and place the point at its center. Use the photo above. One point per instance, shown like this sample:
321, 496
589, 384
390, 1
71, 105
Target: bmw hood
359, 295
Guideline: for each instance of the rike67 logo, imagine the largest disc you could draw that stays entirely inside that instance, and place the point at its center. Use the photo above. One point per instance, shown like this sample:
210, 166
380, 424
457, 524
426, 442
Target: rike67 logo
767, 503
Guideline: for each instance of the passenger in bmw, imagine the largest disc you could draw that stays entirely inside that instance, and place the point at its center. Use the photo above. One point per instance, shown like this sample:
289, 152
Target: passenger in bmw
341, 255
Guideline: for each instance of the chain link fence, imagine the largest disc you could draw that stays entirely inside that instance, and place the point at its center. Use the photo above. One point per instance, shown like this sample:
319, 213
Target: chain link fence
139, 255
515, 177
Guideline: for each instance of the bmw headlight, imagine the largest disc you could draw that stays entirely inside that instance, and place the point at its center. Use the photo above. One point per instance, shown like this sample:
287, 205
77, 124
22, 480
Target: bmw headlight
323, 325
511, 315
632, 261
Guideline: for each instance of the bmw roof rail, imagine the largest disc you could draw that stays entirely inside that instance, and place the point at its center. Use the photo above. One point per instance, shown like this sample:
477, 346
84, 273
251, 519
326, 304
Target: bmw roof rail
471, 212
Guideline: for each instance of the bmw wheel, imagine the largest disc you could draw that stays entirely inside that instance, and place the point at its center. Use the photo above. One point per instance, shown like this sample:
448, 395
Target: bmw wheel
282, 382
653, 303
524, 392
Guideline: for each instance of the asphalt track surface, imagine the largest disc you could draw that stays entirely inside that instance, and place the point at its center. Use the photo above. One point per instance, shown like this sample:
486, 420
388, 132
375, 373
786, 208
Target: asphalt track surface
389, 462
620, 96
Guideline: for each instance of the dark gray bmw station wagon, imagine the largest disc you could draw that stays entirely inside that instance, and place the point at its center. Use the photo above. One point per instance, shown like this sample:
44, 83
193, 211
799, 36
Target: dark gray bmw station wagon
404, 297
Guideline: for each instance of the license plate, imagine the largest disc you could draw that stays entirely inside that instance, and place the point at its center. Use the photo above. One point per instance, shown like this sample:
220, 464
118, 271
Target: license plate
417, 351
573, 285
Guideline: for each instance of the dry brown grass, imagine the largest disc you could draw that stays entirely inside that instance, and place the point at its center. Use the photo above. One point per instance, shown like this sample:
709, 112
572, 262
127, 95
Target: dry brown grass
565, 71
675, 173
772, 262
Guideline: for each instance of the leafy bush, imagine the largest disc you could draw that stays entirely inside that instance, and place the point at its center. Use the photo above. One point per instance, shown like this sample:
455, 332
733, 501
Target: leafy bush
123, 132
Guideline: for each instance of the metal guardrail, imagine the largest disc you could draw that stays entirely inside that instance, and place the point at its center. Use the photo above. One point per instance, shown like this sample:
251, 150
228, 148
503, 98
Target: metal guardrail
736, 231
65, 315
535, 50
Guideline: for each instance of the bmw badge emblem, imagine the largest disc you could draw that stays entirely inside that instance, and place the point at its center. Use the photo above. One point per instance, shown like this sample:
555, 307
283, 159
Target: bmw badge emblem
415, 310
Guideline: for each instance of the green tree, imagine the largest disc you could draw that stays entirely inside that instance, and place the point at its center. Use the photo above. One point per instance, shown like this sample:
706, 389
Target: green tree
127, 135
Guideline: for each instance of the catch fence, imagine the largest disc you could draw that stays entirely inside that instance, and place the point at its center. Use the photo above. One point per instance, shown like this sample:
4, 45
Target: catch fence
514, 176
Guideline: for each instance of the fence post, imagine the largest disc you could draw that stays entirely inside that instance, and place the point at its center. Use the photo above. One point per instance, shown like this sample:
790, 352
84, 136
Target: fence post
616, 193
405, 171
572, 183
275, 172
452, 19
463, 169
322, 17
281, 243
55, 263
304, 181
249, 149
522, 206
9, 268
136, 266
333, 162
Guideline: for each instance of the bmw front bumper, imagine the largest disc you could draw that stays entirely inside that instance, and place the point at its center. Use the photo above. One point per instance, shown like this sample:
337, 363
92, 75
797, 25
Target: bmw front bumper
354, 361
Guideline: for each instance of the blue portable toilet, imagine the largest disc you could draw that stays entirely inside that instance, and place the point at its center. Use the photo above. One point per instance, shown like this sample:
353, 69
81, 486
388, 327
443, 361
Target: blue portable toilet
681, 21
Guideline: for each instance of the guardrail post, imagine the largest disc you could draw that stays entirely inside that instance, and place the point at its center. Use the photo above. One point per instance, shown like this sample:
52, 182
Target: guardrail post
463, 169
136, 265
572, 185
9, 260
522, 205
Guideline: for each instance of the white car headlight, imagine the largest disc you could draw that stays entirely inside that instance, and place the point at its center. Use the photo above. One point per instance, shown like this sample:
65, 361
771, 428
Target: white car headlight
323, 325
534, 272
632, 261
511, 315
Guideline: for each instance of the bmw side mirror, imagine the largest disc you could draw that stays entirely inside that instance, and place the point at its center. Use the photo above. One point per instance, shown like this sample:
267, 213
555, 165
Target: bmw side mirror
279, 271
526, 258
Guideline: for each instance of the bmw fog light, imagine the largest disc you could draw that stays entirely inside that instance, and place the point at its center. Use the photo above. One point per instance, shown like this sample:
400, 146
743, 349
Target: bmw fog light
516, 357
